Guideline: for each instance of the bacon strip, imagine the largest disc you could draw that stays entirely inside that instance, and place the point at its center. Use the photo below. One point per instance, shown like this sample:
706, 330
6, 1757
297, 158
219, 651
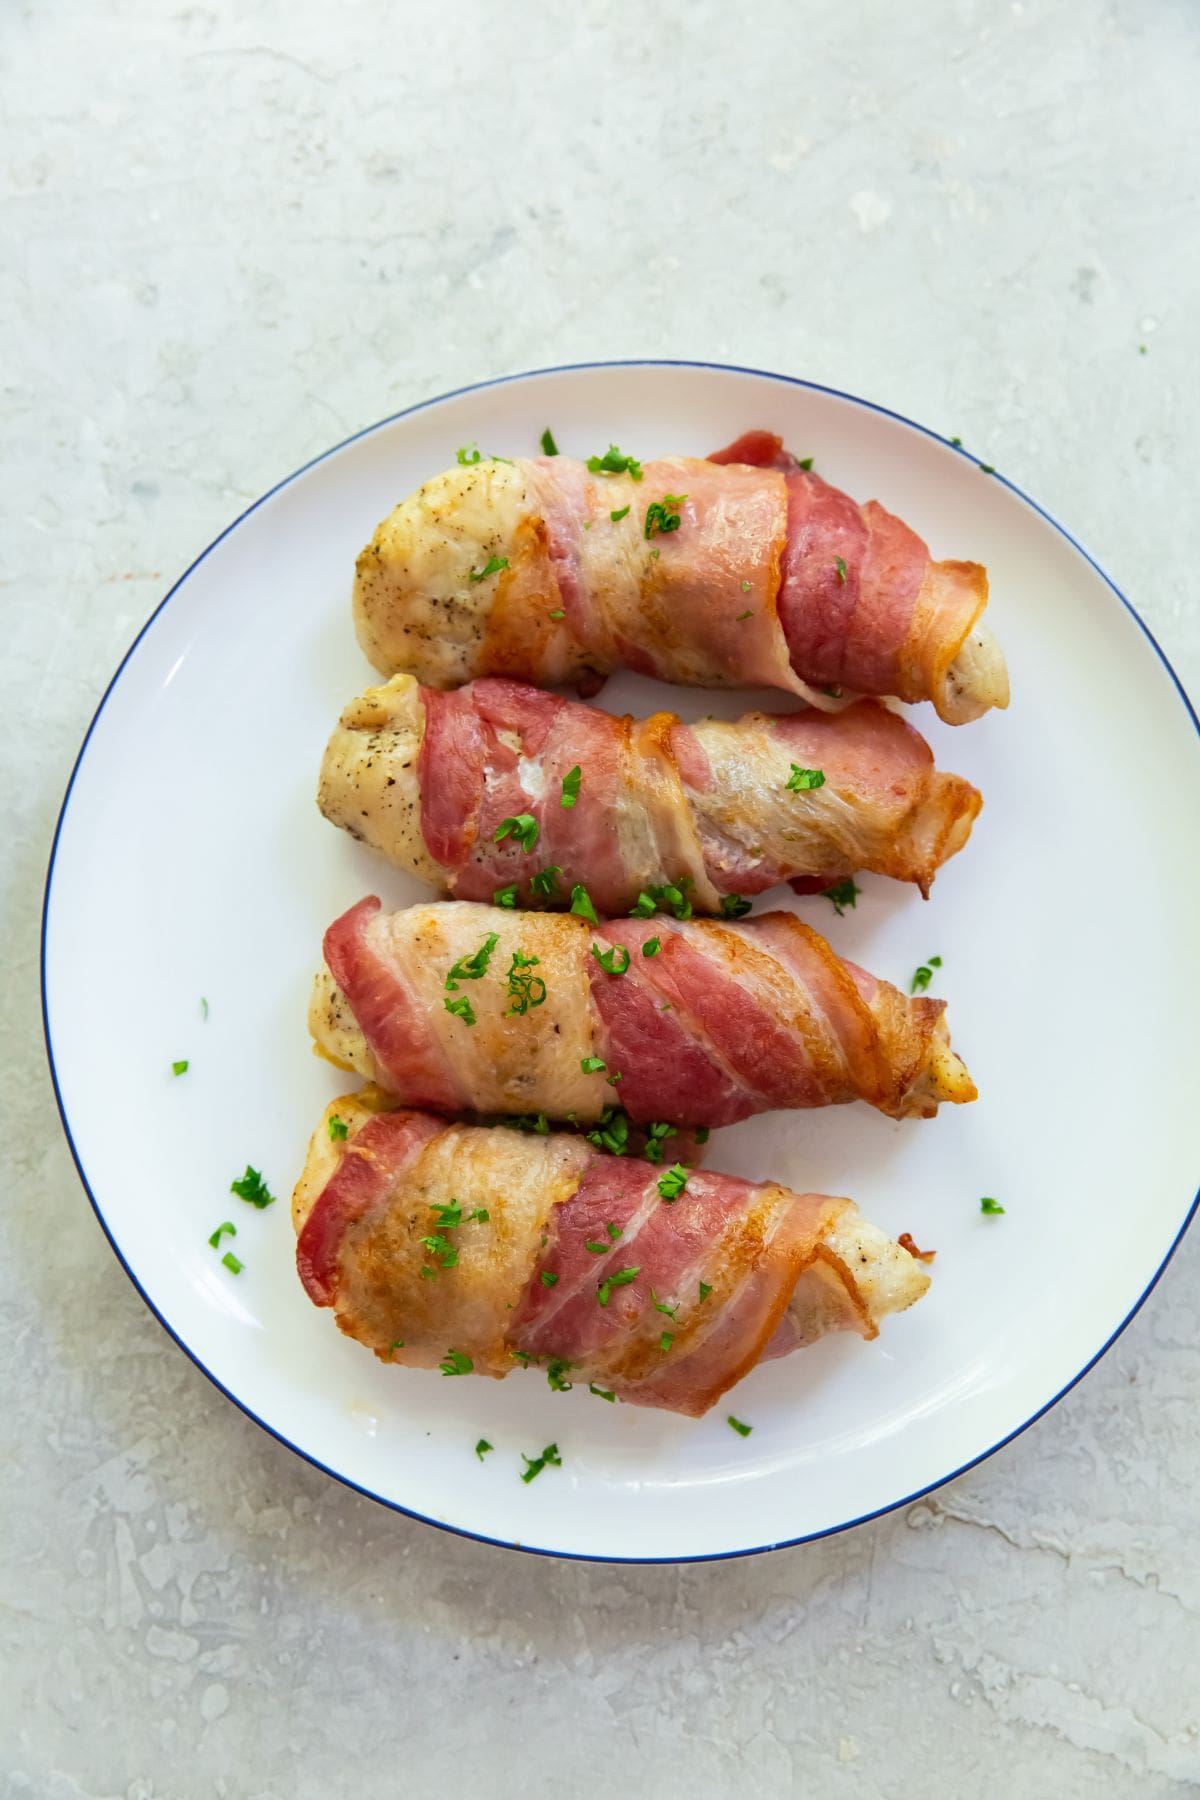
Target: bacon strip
659, 802
719, 1022
770, 578
561, 1258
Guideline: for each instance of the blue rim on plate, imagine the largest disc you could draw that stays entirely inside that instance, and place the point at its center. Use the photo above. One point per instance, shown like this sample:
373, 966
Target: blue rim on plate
379, 425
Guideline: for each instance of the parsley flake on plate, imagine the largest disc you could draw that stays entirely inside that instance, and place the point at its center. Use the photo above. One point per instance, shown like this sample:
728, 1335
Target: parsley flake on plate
549, 1459
924, 975
842, 894
252, 1188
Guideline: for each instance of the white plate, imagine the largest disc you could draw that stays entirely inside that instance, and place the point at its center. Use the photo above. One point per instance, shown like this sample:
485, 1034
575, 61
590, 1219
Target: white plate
190, 861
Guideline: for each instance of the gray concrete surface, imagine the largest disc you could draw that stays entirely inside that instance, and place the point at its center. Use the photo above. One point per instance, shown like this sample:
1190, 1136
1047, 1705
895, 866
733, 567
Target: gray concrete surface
236, 232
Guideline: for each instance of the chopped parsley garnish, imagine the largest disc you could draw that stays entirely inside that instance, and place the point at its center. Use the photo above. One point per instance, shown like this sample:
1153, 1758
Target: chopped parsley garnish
441, 1251
612, 1133
523, 827
842, 894
705, 1289
614, 463
558, 613
701, 1134
801, 780
482, 1448
839, 563
555, 1372
398, 1345
456, 1362
656, 1135
549, 1459
253, 1188
924, 975
665, 1341
806, 463
548, 1278
570, 788
528, 1122
549, 447
601, 1393
449, 1213
505, 896
957, 442
742, 616
467, 456
593, 1065
734, 906
546, 882
986, 469
620, 513
742, 1430
204, 1008
461, 1008
745, 587
673, 1182
622, 1278
615, 1077
610, 960
988, 1205
525, 990
614, 1230
597, 1249
480, 1216
661, 1305
471, 968
652, 946
338, 1129
492, 566
670, 895
179, 1068
523, 1357
581, 903
226, 1229
661, 516
232, 1264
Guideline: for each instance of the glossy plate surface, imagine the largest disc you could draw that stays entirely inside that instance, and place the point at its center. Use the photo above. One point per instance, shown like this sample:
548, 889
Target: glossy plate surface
191, 864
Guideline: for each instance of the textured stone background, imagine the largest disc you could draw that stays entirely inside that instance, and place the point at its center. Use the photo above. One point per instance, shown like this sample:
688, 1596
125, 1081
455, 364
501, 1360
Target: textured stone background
235, 232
